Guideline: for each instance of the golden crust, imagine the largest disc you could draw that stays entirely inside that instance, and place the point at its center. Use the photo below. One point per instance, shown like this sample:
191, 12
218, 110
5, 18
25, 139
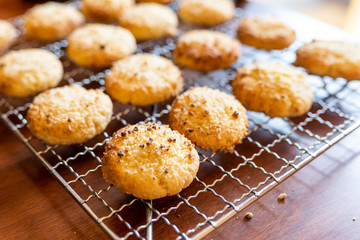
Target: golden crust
265, 32
158, 1
149, 21
143, 79
205, 50
99, 45
52, 21
330, 58
206, 13
27, 72
7, 35
275, 89
69, 114
209, 118
105, 10
149, 161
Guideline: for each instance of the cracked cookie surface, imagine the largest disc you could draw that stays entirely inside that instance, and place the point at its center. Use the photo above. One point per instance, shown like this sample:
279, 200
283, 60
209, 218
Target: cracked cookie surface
149, 161
277, 90
211, 119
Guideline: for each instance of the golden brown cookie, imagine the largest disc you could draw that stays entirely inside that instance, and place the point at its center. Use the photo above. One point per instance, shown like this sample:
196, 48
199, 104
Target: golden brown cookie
52, 21
27, 72
330, 58
7, 35
206, 13
265, 32
275, 89
149, 21
99, 45
211, 119
205, 50
105, 10
149, 161
143, 79
158, 1
69, 115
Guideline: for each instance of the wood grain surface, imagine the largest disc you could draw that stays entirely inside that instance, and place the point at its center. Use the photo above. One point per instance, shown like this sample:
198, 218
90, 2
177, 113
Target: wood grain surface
323, 198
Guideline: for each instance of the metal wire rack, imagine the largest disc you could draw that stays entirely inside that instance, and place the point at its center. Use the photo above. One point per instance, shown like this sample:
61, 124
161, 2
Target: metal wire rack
225, 183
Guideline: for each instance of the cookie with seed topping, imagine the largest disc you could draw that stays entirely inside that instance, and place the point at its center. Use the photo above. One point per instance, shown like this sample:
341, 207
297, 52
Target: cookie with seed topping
99, 45
211, 119
206, 13
69, 115
149, 161
149, 21
105, 10
206, 50
52, 21
143, 79
26, 72
7, 35
330, 58
265, 32
277, 90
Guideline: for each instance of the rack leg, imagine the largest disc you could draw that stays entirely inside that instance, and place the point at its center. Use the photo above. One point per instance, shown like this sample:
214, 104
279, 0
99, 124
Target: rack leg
149, 230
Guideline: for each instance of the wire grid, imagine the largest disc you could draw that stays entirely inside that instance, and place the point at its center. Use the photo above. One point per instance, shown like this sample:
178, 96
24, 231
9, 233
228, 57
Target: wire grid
225, 183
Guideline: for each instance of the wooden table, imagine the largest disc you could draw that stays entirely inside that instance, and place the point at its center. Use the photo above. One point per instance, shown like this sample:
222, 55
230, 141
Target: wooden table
323, 197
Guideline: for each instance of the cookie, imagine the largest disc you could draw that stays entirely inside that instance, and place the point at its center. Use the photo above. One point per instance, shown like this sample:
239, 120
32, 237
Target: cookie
275, 89
104, 10
27, 72
211, 119
158, 1
149, 161
206, 13
7, 35
330, 58
265, 32
69, 115
52, 21
205, 50
143, 79
99, 45
149, 21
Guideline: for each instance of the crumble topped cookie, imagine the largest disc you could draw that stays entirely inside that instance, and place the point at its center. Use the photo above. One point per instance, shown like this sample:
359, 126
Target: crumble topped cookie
149, 161
330, 58
7, 35
273, 88
52, 21
205, 50
143, 79
69, 115
265, 32
206, 13
99, 45
149, 21
105, 10
209, 118
26, 72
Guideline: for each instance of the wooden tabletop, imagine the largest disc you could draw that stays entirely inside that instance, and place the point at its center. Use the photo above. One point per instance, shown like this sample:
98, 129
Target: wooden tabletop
322, 203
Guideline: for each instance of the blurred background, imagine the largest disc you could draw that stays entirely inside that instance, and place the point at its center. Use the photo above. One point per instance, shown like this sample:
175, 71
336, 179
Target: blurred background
341, 13
344, 14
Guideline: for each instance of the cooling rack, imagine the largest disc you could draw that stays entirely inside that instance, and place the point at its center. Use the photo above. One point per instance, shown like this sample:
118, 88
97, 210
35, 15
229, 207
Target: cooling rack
226, 183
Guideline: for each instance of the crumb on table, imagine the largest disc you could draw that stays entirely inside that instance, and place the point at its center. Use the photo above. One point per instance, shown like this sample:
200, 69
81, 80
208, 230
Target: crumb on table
282, 196
249, 215
354, 219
